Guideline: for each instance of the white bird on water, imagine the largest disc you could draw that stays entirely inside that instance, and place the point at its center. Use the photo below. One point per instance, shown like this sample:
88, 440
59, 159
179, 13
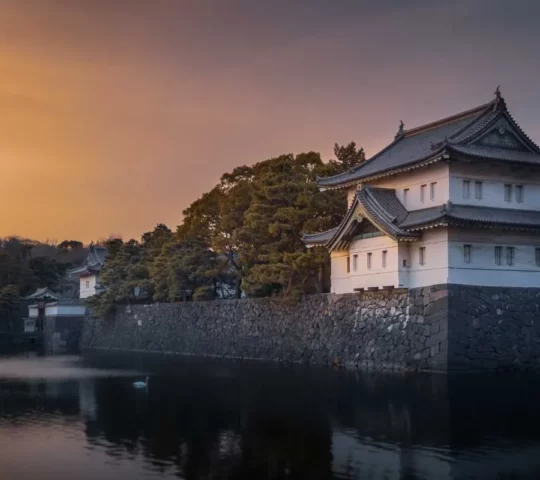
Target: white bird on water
140, 385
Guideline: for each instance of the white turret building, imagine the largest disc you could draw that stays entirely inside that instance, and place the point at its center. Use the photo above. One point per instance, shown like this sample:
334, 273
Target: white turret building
88, 273
456, 201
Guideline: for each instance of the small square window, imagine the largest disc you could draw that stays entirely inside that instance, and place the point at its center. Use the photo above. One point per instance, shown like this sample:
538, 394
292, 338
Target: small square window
348, 264
466, 189
498, 255
369, 255
384, 253
432, 187
467, 253
423, 193
355, 263
422, 257
510, 255
478, 187
508, 193
519, 193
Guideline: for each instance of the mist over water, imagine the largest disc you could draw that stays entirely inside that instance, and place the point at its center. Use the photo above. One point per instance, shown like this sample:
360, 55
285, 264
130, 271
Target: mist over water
75, 418
53, 368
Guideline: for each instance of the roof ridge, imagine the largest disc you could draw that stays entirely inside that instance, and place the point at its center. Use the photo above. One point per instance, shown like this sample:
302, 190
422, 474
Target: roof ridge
450, 119
485, 207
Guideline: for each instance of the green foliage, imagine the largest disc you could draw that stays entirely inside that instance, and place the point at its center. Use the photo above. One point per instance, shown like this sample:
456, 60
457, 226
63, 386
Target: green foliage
256, 216
183, 267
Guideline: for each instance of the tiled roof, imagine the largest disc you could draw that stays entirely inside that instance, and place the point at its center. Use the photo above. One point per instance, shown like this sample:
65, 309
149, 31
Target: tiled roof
96, 256
494, 153
409, 148
384, 210
93, 262
431, 142
42, 293
321, 238
380, 206
471, 214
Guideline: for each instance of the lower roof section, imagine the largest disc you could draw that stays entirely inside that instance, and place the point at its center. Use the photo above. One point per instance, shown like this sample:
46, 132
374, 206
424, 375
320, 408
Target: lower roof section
469, 214
381, 208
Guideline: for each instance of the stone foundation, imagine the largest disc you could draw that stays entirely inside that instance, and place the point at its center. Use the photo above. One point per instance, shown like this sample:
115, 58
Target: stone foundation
443, 327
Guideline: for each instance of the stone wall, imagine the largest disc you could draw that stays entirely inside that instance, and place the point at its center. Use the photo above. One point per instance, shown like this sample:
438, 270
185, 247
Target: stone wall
493, 327
62, 335
383, 329
443, 327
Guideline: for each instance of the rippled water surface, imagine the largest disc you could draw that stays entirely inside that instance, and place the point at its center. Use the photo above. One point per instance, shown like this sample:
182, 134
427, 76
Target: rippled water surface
69, 418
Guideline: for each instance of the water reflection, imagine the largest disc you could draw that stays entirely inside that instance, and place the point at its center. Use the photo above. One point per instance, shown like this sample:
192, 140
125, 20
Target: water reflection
243, 421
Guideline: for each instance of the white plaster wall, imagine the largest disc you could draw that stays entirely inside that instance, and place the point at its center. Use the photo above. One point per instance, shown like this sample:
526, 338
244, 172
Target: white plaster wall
494, 177
435, 269
482, 270
84, 291
363, 277
413, 180
58, 310
64, 310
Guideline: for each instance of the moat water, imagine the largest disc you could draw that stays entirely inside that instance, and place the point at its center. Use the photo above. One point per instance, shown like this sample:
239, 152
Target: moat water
73, 418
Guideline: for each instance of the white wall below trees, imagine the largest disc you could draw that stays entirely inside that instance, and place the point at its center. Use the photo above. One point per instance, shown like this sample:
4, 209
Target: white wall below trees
88, 286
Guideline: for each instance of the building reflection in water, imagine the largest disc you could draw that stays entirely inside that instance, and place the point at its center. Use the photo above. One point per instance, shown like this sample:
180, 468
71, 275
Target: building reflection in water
241, 421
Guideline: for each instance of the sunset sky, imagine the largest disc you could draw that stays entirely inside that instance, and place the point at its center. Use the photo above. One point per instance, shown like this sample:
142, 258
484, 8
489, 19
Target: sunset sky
117, 114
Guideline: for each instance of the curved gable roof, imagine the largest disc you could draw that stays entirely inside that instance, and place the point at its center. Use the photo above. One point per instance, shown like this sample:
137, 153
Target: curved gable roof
429, 142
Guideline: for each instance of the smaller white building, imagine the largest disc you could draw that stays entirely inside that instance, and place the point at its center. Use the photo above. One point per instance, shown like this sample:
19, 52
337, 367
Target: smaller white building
88, 273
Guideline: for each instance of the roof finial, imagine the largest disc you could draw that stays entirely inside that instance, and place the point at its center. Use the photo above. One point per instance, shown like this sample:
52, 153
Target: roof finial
400, 131
499, 100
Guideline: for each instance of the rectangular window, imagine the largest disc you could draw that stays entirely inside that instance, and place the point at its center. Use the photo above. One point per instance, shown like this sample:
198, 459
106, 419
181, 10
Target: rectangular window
355, 263
87, 284
405, 195
422, 258
432, 187
510, 255
519, 193
423, 193
384, 253
537, 256
498, 255
466, 189
478, 190
369, 260
348, 264
508, 193
467, 253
